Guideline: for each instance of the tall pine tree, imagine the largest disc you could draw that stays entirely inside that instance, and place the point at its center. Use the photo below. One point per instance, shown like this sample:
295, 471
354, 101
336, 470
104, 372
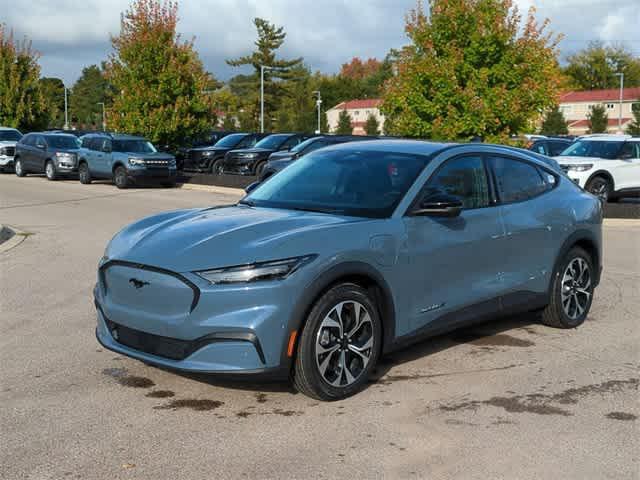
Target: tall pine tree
270, 39
372, 127
554, 123
344, 124
634, 127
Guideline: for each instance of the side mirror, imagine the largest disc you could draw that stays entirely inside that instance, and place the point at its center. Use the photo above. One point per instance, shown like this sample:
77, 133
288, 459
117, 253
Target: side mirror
251, 187
439, 205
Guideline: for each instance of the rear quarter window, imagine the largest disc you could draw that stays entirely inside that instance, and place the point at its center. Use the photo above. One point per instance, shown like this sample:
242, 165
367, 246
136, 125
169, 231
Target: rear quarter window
518, 181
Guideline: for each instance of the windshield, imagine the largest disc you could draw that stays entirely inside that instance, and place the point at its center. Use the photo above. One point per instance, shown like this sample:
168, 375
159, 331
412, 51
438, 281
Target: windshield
63, 141
10, 135
301, 146
593, 148
133, 146
230, 140
367, 184
272, 142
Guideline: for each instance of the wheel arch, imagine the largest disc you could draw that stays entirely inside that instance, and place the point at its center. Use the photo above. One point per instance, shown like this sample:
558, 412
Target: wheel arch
605, 174
116, 165
586, 240
359, 273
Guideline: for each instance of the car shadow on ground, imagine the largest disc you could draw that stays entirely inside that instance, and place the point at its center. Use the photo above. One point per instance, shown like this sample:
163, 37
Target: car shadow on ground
486, 337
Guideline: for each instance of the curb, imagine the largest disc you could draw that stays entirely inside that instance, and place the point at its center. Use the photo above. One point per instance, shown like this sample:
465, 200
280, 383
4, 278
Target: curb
16, 239
211, 189
621, 222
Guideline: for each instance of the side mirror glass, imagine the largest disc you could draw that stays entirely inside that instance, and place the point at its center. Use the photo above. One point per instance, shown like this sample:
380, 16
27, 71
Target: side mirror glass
439, 205
251, 187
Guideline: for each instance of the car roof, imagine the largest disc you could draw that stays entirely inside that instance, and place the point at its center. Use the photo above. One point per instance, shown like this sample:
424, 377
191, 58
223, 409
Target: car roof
114, 136
9, 128
605, 137
416, 147
50, 134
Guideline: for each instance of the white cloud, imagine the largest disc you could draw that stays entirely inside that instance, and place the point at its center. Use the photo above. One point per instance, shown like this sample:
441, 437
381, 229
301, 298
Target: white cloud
71, 34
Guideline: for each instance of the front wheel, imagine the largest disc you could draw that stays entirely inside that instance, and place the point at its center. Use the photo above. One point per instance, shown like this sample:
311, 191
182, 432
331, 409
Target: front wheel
339, 345
571, 291
50, 171
19, 170
216, 168
120, 177
84, 173
600, 187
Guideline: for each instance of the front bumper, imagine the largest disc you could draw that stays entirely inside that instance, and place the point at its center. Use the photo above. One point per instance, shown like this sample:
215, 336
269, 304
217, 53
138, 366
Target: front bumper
6, 161
221, 329
152, 175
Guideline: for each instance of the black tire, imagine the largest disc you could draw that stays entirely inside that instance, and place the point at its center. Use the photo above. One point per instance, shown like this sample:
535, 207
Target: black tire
260, 168
216, 167
601, 187
18, 169
307, 376
84, 174
120, 177
555, 315
50, 171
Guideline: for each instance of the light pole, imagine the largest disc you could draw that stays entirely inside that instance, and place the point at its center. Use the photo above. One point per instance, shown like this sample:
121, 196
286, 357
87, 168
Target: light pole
104, 121
262, 69
621, 75
318, 105
66, 112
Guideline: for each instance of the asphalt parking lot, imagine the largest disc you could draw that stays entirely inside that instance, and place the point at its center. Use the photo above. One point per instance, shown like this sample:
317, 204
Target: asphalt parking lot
511, 399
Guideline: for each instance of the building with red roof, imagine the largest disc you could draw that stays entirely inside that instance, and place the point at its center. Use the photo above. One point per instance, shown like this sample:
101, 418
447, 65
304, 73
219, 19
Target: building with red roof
576, 105
359, 111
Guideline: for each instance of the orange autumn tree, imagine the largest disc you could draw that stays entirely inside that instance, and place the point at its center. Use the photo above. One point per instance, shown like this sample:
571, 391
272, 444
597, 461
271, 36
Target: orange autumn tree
158, 80
472, 69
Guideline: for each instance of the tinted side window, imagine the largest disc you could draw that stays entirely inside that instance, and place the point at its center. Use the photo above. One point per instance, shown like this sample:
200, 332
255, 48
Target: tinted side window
40, 141
541, 148
556, 148
27, 140
292, 142
316, 145
248, 142
517, 181
629, 150
463, 177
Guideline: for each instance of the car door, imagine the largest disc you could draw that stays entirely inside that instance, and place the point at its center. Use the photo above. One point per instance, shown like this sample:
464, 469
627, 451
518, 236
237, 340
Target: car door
534, 225
627, 175
39, 155
24, 149
454, 264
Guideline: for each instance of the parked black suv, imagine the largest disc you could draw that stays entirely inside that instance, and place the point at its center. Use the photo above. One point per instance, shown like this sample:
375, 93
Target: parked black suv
278, 160
251, 161
54, 154
207, 140
209, 159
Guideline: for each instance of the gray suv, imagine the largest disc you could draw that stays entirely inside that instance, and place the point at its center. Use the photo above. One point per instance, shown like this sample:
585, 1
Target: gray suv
125, 159
53, 154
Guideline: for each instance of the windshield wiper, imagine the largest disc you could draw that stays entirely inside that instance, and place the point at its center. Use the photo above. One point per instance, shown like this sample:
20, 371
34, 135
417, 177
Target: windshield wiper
316, 209
248, 203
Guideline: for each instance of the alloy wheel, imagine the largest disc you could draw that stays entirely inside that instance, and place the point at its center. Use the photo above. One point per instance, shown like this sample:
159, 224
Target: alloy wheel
576, 288
344, 343
600, 188
18, 168
49, 171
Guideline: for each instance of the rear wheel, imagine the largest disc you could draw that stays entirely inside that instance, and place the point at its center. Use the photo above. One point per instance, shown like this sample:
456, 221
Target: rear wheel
19, 170
601, 187
120, 177
50, 171
260, 169
339, 345
84, 174
571, 291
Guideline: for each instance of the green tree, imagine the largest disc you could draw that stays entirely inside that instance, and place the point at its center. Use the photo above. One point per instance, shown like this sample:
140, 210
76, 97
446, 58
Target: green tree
298, 106
270, 39
344, 124
596, 66
22, 104
53, 92
598, 119
554, 123
159, 80
372, 126
89, 90
471, 70
634, 127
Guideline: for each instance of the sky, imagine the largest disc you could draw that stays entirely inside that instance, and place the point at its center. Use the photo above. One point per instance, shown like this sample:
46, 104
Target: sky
72, 34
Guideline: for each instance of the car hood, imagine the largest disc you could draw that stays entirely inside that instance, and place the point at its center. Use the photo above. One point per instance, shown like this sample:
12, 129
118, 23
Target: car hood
569, 160
153, 156
251, 150
190, 240
6, 143
274, 157
210, 149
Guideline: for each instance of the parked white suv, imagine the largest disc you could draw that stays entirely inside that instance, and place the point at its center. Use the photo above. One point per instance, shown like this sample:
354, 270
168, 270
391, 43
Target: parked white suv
605, 165
8, 139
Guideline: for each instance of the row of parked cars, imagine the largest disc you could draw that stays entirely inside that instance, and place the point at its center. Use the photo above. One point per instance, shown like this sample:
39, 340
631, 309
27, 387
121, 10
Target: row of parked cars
606, 165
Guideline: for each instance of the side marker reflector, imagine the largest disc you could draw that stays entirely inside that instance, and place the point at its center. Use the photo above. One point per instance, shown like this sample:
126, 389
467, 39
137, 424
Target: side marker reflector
292, 343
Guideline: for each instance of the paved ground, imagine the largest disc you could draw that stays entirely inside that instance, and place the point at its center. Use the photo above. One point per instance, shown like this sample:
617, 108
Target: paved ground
509, 400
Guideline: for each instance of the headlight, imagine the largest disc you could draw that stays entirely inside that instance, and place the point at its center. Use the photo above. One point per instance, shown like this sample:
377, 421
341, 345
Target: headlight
136, 161
274, 270
249, 155
3, 150
579, 168
208, 153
